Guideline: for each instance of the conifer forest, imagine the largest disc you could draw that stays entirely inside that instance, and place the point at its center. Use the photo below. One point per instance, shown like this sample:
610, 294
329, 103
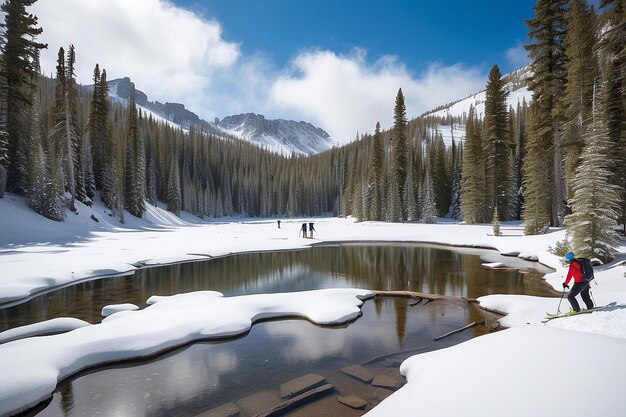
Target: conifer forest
556, 161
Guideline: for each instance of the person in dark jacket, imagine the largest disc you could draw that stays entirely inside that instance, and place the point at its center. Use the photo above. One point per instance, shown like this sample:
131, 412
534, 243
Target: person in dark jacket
303, 229
580, 286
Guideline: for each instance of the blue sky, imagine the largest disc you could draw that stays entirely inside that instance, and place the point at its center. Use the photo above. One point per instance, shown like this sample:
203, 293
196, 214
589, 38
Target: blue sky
477, 33
337, 64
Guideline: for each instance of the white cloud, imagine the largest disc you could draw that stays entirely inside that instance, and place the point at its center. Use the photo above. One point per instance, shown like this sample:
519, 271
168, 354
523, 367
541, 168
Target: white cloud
345, 94
169, 52
517, 56
173, 54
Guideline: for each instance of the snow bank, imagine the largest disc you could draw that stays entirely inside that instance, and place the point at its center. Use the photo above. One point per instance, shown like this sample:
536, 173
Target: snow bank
533, 368
525, 371
58, 325
116, 308
31, 368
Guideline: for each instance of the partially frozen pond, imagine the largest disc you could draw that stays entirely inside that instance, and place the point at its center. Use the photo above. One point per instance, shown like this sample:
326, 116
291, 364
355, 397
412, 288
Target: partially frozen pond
202, 376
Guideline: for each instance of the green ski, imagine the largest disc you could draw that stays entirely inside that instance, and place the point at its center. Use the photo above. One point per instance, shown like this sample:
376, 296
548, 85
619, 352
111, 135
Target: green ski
551, 316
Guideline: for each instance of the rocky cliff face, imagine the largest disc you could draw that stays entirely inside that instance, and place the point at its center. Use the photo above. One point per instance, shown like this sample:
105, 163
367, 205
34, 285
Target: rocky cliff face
174, 112
286, 136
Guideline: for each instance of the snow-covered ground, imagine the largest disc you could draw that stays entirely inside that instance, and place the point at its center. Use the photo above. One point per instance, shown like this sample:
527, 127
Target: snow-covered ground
477, 100
566, 367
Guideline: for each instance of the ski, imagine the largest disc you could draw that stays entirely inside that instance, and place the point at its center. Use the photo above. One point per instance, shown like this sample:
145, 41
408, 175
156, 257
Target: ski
550, 316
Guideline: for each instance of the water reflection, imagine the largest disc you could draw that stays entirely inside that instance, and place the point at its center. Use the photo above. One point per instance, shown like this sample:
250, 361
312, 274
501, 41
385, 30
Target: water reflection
202, 376
386, 267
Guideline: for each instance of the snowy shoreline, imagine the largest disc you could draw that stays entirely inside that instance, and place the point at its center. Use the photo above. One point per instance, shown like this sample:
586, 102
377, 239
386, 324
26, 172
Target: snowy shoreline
37, 254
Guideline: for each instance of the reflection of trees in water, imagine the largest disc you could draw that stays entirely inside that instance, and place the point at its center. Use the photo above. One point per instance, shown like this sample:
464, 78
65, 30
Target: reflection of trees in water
384, 267
67, 399
425, 269
400, 308
376, 267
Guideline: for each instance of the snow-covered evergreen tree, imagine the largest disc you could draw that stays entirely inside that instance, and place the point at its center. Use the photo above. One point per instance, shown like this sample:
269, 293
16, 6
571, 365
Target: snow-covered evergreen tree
536, 186
581, 71
374, 180
18, 72
173, 189
592, 226
134, 171
472, 172
495, 222
497, 148
397, 175
4, 160
428, 203
454, 212
546, 30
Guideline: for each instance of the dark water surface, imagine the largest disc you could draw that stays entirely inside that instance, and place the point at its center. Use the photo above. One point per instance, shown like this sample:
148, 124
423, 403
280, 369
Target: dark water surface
202, 376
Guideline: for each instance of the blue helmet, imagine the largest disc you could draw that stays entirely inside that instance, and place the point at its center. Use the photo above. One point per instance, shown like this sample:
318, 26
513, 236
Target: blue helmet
569, 256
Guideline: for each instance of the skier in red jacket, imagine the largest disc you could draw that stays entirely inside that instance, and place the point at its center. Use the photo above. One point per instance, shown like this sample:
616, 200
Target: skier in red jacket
580, 285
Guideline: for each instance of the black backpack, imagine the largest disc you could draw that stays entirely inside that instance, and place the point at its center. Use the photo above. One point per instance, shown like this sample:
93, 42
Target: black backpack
587, 269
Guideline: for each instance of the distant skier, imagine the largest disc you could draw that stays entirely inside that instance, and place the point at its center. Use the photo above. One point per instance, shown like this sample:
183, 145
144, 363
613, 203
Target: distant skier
278, 221
303, 230
580, 286
311, 230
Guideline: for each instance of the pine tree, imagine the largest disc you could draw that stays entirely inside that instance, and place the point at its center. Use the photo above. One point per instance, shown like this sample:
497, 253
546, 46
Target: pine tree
498, 149
151, 178
4, 160
96, 130
612, 49
46, 194
454, 212
66, 133
374, 182
427, 199
592, 225
17, 76
473, 173
173, 189
536, 207
581, 71
495, 222
547, 28
440, 176
107, 164
397, 176
519, 138
134, 171
74, 128
410, 190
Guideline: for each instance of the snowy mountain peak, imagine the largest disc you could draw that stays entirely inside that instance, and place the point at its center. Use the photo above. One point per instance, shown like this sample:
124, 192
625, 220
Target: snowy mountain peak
283, 136
286, 136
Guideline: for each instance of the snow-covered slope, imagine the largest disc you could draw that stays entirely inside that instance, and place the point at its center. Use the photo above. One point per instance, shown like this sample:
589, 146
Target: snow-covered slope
517, 93
284, 136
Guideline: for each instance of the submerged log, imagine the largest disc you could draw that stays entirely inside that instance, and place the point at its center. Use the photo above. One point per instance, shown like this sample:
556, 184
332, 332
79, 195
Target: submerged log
420, 295
386, 355
408, 294
297, 401
472, 324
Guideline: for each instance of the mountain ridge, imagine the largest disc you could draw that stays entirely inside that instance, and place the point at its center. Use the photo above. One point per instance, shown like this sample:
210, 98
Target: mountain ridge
278, 135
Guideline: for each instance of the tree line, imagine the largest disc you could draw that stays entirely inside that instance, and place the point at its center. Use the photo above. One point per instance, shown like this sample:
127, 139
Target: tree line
556, 161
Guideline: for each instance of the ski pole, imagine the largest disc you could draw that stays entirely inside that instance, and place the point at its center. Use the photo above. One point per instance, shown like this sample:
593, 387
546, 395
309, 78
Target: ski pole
558, 309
